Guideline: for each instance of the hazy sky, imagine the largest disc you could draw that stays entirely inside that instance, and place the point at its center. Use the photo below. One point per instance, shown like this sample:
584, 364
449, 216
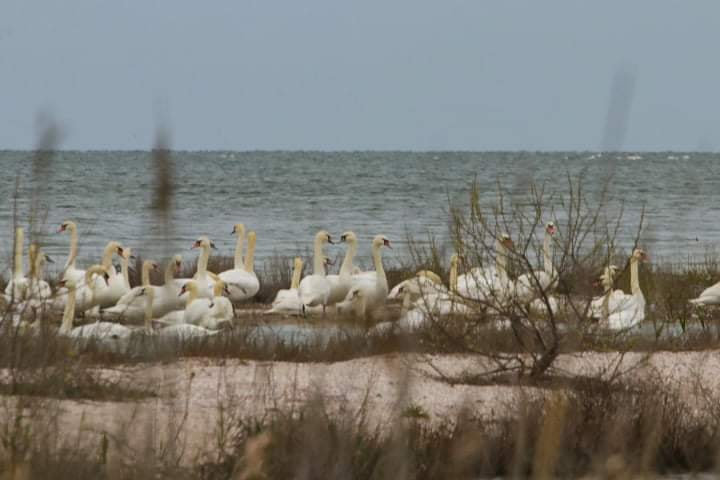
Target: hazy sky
362, 74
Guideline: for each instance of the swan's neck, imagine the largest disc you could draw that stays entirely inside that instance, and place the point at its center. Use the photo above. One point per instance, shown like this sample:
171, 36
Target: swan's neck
547, 255
407, 302
34, 264
501, 260
169, 273
18, 263
107, 257
239, 249
297, 271
146, 275
319, 259
72, 256
347, 264
124, 268
203, 260
69, 312
192, 295
380, 271
634, 277
453, 277
250, 257
149, 294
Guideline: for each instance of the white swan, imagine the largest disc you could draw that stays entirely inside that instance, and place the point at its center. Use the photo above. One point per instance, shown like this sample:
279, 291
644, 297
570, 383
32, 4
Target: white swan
70, 271
599, 306
221, 310
105, 333
490, 286
203, 278
242, 281
176, 332
16, 289
195, 308
108, 293
38, 289
130, 307
372, 289
423, 280
626, 311
287, 300
314, 290
340, 284
709, 296
531, 285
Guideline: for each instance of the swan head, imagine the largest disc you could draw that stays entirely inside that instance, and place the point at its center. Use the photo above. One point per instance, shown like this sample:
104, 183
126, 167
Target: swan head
221, 288
432, 276
323, 237
151, 265
68, 283
115, 247
640, 255
550, 228
238, 229
190, 286
203, 242
381, 241
348, 237
505, 240
126, 253
97, 270
67, 225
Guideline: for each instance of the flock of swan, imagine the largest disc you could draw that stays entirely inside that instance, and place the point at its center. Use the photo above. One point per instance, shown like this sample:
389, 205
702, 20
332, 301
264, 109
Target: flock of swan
203, 305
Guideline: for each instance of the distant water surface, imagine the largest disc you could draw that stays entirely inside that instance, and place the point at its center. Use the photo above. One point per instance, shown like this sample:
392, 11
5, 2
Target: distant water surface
287, 196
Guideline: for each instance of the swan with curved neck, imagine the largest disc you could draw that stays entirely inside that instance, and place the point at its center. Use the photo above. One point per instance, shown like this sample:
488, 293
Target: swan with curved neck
530, 286
626, 311
242, 281
70, 270
204, 279
340, 284
195, 308
104, 334
314, 290
221, 310
39, 288
239, 230
108, 294
373, 290
489, 286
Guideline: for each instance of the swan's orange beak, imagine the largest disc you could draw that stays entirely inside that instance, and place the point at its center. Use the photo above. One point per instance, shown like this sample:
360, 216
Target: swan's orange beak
61, 229
386, 243
195, 245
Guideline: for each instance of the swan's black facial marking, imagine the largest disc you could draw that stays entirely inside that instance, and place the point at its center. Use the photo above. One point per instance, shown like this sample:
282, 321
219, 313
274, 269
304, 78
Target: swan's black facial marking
212, 245
329, 239
62, 227
343, 238
183, 290
197, 244
120, 251
386, 243
48, 259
